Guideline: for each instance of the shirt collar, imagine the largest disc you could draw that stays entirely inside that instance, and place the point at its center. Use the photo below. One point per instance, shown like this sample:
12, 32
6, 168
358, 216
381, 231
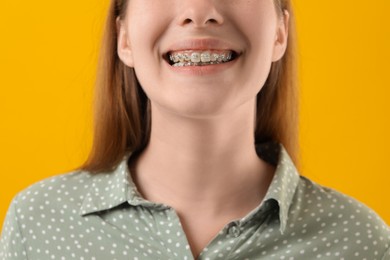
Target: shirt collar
108, 190
285, 181
111, 189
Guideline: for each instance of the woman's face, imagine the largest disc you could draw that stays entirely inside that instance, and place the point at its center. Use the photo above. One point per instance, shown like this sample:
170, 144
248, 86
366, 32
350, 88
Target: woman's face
202, 34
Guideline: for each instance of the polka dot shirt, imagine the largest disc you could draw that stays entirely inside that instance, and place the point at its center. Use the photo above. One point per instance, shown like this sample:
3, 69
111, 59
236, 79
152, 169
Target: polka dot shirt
79, 215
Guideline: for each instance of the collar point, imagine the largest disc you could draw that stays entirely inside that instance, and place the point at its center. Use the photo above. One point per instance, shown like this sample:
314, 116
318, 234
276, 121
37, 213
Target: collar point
282, 228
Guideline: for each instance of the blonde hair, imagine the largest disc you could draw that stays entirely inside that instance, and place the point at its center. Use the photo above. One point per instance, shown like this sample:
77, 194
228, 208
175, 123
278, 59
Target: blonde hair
122, 110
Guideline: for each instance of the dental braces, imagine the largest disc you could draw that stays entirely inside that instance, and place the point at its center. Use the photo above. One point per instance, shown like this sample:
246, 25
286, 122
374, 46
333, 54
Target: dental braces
199, 59
184, 64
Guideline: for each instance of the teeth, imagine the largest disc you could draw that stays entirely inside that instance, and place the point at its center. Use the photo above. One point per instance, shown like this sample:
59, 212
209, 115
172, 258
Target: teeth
194, 58
174, 58
187, 57
181, 57
205, 57
214, 57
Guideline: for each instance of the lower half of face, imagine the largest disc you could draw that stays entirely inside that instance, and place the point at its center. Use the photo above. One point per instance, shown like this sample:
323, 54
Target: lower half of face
212, 89
203, 91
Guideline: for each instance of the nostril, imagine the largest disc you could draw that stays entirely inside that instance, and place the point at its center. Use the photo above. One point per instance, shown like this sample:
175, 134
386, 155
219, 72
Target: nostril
202, 20
187, 21
212, 21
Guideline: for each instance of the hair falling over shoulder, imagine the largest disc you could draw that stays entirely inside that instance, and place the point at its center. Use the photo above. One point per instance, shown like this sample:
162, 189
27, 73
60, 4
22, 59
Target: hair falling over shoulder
122, 110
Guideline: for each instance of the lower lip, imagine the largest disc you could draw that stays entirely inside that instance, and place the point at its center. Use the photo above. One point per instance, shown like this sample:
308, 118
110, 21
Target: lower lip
203, 70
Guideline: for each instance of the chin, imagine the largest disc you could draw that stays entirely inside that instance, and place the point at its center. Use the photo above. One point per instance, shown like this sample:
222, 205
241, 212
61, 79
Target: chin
195, 108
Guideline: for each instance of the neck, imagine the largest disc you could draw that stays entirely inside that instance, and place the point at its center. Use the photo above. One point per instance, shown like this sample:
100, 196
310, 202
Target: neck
208, 162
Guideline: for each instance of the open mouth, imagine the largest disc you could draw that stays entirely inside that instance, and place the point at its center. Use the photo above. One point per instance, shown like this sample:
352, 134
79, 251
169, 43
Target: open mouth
199, 58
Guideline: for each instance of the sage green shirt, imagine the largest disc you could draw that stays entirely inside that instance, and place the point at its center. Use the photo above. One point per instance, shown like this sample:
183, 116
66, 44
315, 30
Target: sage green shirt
83, 216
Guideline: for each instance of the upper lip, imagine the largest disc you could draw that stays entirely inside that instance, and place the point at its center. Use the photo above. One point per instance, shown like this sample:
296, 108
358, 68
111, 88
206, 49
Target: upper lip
201, 44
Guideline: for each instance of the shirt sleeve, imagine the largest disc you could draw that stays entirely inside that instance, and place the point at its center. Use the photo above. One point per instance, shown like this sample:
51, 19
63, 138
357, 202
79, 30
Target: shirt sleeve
12, 242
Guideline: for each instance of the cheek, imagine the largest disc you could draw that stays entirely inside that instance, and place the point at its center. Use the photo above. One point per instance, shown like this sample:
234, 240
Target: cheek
257, 22
146, 24
145, 35
258, 27
147, 27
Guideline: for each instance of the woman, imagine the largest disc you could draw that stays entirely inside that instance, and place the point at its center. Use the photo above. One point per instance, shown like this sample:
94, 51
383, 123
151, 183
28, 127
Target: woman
194, 151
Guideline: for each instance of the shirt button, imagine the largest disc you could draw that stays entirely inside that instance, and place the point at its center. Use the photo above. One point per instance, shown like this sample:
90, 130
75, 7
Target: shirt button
234, 230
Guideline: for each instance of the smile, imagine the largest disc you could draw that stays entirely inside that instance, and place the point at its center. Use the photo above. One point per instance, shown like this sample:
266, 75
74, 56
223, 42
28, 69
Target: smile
199, 58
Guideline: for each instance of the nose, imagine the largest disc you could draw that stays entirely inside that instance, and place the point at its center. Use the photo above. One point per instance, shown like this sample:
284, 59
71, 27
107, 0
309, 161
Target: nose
199, 13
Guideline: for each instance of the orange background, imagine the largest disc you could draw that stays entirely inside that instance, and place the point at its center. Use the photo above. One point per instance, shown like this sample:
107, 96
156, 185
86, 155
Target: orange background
48, 52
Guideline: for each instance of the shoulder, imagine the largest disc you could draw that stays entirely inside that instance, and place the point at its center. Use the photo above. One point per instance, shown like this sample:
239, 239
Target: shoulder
326, 202
333, 202
336, 218
42, 207
63, 190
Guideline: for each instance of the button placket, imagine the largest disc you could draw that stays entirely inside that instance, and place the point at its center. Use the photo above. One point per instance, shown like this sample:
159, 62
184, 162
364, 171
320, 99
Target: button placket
175, 242
234, 230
